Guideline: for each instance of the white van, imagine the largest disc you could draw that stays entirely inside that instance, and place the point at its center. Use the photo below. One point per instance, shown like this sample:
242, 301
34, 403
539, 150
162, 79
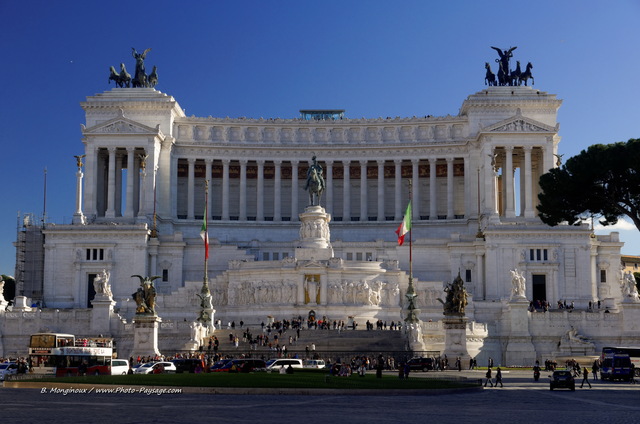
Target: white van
119, 367
275, 364
314, 363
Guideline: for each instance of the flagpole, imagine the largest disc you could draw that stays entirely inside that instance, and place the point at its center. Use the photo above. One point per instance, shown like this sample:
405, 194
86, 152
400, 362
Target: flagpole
412, 312
206, 218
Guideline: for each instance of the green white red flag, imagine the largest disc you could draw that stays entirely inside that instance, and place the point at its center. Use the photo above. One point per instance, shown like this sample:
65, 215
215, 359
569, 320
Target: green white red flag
205, 234
405, 225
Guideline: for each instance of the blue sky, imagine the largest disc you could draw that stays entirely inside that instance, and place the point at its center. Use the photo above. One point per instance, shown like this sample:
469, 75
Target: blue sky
272, 58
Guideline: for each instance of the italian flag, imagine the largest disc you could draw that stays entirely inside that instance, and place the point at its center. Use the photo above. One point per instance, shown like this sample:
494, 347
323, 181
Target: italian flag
204, 234
405, 225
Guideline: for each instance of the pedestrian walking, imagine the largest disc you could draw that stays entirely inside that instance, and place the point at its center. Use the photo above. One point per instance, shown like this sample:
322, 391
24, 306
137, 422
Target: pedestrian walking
632, 377
499, 377
585, 377
488, 375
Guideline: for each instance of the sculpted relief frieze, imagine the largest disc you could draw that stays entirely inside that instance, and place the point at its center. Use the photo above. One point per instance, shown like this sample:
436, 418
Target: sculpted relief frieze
384, 131
520, 125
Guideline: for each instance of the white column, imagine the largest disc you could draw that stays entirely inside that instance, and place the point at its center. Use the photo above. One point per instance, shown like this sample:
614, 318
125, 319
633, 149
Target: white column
510, 208
329, 186
528, 180
450, 188
480, 275
277, 191
364, 213
78, 217
381, 216
207, 178
294, 190
130, 175
433, 202
119, 183
415, 193
346, 191
490, 198
398, 189
468, 196
260, 192
111, 185
243, 190
190, 188
91, 182
225, 189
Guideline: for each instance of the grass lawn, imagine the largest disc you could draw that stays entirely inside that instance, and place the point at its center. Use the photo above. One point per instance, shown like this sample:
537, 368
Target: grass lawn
300, 379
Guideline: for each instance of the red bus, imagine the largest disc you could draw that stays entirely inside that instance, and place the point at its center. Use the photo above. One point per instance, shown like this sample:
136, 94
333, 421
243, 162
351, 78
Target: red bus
65, 355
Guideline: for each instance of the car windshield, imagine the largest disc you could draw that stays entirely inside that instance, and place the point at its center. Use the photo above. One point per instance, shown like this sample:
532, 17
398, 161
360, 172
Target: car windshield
271, 361
147, 365
4, 366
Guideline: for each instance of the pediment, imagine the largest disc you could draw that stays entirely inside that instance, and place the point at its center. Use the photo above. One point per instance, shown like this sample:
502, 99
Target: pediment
312, 264
519, 124
121, 125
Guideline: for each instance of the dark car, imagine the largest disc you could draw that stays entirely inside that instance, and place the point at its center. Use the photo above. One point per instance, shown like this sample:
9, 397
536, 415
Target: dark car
187, 364
420, 364
562, 380
241, 365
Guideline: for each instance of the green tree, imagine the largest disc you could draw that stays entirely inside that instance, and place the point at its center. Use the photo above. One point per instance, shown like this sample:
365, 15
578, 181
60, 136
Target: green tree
603, 180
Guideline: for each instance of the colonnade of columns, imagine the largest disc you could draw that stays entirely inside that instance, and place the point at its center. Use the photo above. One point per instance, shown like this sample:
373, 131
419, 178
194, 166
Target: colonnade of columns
104, 194
241, 189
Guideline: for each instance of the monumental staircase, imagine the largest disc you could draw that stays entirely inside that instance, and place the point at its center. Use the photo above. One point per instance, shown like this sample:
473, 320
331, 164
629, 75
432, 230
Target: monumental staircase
323, 344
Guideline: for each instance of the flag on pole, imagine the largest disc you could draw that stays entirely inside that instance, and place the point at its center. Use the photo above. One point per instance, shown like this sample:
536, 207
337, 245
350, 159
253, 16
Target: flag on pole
204, 234
405, 225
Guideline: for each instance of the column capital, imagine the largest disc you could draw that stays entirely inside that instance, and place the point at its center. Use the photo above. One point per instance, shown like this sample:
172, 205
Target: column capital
363, 162
449, 159
415, 161
397, 161
225, 161
260, 162
191, 161
277, 162
131, 149
208, 161
432, 160
243, 162
380, 162
509, 148
112, 150
527, 148
295, 162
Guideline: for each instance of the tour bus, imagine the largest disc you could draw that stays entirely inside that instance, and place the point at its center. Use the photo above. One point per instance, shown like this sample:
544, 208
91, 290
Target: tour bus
633, 352
64, 354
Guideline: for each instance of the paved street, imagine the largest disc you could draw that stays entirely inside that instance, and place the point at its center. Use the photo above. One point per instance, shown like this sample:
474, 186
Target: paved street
520, 401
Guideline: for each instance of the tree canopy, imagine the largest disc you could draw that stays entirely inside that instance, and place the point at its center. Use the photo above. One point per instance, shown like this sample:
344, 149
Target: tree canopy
603, 180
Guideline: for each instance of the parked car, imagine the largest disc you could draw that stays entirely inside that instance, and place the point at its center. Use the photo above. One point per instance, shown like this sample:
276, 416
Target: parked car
276, 364
420, 364
8, 368
314, 363
562, 380
119, 367
240, 365
187, 364
156, 368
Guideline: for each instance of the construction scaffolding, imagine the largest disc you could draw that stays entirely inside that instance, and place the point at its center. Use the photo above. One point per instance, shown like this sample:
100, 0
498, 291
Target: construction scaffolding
29, 272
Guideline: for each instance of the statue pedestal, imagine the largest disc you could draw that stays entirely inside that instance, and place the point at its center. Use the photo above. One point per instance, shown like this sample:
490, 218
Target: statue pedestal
519, 350
101, 314
314, 235
145, 336
455, 338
